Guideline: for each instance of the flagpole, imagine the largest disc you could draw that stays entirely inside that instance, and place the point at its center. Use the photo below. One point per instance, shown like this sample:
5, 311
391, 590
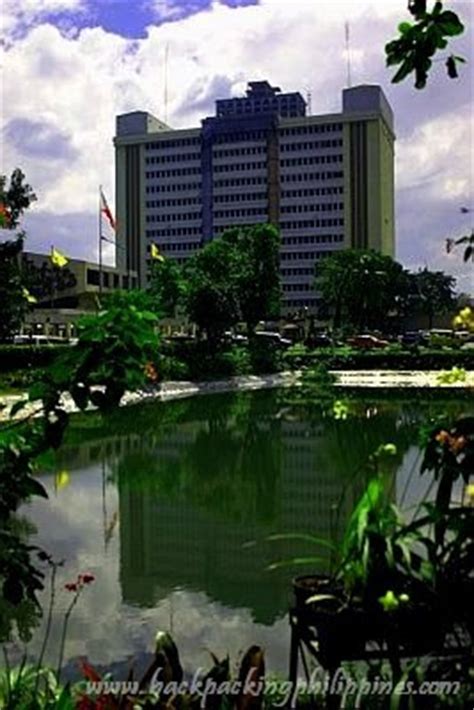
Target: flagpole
100, 240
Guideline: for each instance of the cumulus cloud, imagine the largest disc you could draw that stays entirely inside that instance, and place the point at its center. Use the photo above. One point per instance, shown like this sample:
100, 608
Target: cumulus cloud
77, 84
39, 139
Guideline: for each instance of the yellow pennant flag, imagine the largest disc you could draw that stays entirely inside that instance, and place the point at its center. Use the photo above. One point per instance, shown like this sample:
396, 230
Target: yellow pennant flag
27, 295
155, 253
57, 258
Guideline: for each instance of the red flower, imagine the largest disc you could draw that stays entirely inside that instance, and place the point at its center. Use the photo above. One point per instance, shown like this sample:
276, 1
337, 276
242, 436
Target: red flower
71, 587
87, 578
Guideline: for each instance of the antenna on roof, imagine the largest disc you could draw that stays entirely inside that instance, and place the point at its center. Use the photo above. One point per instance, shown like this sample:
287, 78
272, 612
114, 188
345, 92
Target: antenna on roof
165, 98
348, 53
308, 100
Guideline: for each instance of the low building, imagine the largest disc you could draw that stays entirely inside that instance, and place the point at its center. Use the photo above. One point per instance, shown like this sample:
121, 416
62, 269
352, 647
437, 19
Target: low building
64, 295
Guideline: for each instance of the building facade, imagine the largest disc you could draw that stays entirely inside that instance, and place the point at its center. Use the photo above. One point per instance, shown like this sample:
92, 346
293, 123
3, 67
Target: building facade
326, 181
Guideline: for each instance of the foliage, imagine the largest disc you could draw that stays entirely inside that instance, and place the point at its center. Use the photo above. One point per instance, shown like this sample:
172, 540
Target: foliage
256, 272
361, 287
16, 197
265, 356
112, 355
419, 358
420, 40
14, 304
468, 240
28, 357
465, 319
435, 292
211, 294
113, 349
14, 200
234, 278
166, 287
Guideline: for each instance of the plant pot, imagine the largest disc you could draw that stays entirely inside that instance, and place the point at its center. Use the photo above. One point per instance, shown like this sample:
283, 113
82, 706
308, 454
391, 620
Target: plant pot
308, 586
341, 634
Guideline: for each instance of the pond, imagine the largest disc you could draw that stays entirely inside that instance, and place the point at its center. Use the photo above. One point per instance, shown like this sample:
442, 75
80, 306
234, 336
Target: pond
170, 506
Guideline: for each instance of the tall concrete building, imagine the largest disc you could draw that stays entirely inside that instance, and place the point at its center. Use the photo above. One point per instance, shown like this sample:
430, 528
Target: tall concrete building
326, 181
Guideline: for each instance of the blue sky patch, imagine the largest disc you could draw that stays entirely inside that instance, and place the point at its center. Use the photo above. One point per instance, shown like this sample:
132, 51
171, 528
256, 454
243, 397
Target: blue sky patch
128, 19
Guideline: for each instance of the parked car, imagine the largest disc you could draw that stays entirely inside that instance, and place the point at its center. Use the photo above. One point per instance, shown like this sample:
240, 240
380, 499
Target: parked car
276, 338
321, 340
236, 338
367, 342
413, 337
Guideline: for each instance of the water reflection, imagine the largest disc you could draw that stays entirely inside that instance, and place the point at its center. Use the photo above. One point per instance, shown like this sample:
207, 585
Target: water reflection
170, 505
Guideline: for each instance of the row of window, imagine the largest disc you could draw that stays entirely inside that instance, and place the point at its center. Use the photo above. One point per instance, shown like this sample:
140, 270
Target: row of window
305, 255
314, 192
316, 128
175, 232
333, 143
175, 157
174, 143
241, 136
301, 303
238, 182
310, 160
298, 272
288, 288
179, 246
306, 177
173, 217
232, 167
311, 223
241, 197
174, 187
314, 239
319, 207
176, 172
247, 212
231, 152
174, 202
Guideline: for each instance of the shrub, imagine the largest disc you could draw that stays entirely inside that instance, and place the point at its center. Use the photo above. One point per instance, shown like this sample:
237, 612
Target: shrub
237, 360
170, 368
15, 357
265, 357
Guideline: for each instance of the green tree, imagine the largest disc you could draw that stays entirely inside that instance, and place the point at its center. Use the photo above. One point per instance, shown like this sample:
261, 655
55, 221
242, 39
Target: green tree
167, 287
256, 271
211, 296
420, 40
14, 304
15, 198
434, 292
361, 287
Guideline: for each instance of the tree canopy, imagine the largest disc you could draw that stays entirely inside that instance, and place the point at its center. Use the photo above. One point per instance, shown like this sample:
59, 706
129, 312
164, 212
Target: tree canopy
360, 287
234, 278
15, 198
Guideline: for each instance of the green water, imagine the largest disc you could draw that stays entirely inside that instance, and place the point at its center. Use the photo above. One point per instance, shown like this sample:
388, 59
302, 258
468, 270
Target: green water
169, 506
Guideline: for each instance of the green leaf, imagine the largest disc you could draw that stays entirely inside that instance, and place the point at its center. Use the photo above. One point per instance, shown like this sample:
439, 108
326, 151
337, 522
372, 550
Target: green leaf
404, 27
406, 68
295, 561
17, 407
450, 24
301, 536
34, 488
451, 67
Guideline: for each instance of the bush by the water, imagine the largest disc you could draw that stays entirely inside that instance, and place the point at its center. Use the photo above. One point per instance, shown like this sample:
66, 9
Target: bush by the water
16, 357
346, 358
